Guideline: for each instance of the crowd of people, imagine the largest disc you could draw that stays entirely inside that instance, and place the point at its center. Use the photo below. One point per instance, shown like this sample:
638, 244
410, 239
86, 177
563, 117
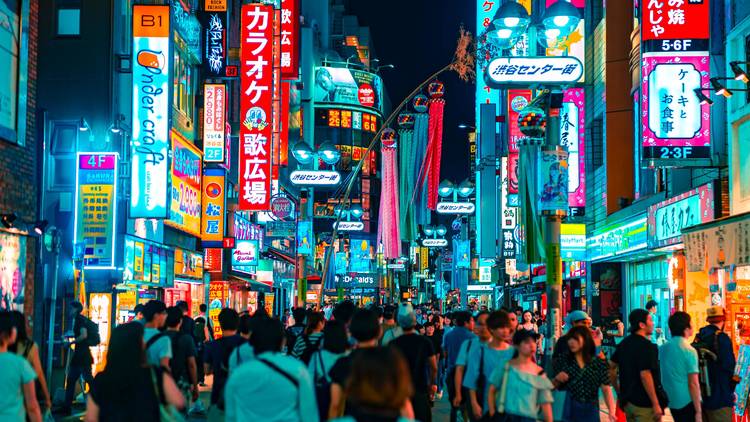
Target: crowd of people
381, 364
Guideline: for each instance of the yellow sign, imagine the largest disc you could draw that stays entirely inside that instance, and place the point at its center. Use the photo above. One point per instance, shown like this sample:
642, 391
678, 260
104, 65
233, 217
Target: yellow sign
185, 197
215, 6
269, 303
188, 264
212, 208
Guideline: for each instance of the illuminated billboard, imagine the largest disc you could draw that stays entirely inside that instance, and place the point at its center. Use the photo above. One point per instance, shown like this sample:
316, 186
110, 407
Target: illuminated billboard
290, 10
185, 198
151, 106
572, 137
96, 208
212, 206
214, 123
666, 219
339, 85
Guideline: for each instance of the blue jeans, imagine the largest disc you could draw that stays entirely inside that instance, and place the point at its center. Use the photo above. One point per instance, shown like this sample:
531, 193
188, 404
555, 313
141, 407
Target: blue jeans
584, 412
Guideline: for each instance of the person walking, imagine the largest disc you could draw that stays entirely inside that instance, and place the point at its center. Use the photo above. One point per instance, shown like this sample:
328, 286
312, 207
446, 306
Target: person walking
18, 401
129, 389
485, 360
527, 323
81, 361
657, 336
310, 340
28, 349
453, 342
203, 333
158, 346
389, 320
717, 407
573, 319
582, 374
296, 329
244, 352
188, 323
182, 365
285, 393
335, 344
636, 361
216, 359
679, 370
421, 359
518, 389
482, 337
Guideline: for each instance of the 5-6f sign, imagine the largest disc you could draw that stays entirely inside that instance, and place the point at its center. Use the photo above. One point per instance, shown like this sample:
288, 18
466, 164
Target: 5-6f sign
256, 81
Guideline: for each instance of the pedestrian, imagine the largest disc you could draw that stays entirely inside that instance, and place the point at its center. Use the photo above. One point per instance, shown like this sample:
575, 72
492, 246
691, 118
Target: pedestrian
717, 406
657, 336
18, 401
513, 318
453, 342
485, 359
81, 361
679, 370
285, 318
434, 332
482, 337
344, 312
296, 329
129, 389
518, 389
244, 351
379, 387
158, 346
389, 320
188, 323
573, 319
365, 330
310, 340
28, 349
138, 313
527, 323
335, 344
216, 359
636, 360
582, 373
182, 365
421, 358
273, 386
202, 334
393, 329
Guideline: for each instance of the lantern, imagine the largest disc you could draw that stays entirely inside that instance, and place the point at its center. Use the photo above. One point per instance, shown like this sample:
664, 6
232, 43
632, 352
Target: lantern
420, 103
388, 138
436, 89
406, 120
532, 122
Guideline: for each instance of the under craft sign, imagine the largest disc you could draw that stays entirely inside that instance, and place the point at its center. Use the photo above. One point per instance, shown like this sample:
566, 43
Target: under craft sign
525, 71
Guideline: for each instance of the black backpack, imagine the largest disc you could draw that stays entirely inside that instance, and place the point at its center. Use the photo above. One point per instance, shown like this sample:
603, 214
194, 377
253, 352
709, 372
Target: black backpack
310, 348
291, 337
93, 338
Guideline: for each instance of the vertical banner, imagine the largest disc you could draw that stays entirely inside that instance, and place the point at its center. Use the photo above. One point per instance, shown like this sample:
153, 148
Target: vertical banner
484, 94
214, 122
212, 206
290, 39
214, 43
304, 238
517, 100
283, 155
276, 97
151, 81
552, 181
218, 296
185, 200
96, 210
256, 84
572, 137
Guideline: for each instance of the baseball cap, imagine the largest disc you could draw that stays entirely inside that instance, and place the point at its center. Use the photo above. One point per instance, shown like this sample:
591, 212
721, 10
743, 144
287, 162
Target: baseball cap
522, 335
576, 316
407, 318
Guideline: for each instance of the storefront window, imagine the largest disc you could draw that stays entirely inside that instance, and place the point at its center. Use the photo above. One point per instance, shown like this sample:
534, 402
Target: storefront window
14, 55
183, 84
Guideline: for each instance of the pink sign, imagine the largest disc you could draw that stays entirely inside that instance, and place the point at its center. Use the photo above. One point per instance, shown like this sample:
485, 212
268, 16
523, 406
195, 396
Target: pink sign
96, 161
572, 137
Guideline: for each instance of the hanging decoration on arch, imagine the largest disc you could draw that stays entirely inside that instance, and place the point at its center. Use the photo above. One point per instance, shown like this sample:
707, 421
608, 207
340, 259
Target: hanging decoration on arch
431, 165
418, 150
407, 175
389, 233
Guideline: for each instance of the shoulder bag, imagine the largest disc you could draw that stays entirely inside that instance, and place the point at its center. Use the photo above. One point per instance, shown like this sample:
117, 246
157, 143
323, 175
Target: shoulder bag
167, 412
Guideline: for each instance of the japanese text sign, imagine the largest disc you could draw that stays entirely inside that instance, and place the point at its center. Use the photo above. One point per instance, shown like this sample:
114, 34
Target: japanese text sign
212, 206
572, 134
674, 19
315, 177
455, 207
256, 83
486, 10
667, 218
290, 39
214, 48
509, 71
96, 190
151, 105
214, 127
185, 199
218, 297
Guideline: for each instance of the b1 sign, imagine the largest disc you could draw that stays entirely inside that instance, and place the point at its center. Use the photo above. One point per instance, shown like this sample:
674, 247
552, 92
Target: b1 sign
455, 208
509, 71
151, 82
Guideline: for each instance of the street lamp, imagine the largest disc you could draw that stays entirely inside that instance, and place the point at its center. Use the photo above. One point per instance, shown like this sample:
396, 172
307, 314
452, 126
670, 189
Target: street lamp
563, 17
434, 236
302, 152
449, 191
327, 153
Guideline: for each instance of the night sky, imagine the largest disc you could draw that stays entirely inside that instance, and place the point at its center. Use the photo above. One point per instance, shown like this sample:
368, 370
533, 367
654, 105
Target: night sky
419, 37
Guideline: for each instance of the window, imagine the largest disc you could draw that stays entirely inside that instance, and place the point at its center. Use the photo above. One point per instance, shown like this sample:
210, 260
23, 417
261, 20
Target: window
183, 84
69, 22
597, 142
61, 173
14, 57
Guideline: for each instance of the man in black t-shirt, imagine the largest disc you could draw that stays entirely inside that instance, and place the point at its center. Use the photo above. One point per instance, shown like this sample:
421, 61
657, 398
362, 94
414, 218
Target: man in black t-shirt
216, 354
637, 360
80, 362
422, 360
182, 365
365, 328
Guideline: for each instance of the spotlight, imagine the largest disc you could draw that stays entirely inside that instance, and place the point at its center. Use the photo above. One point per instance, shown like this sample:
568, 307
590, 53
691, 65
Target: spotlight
720, 89
739, 74
702, 97
83, 125
8, 220
40, 226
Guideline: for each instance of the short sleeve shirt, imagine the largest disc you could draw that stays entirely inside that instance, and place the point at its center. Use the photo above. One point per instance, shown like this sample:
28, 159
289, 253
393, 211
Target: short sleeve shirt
417, 350
583, 383
635, 354
678, 360
185, 348
160, 349
15, 372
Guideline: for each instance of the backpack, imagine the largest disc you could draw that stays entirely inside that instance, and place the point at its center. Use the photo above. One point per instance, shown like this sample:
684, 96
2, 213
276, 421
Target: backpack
291, 337
310, 348
708, 350
223, 370
93, 338
199, 332
176, 371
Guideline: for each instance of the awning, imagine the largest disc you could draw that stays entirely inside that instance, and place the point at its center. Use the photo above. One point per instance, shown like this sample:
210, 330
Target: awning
720, 243
256, 286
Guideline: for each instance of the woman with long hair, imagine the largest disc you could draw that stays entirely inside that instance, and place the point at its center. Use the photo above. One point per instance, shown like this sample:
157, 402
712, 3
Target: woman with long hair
335, 344
27, 349
17, 395
527, 322
582, 373
128, 389
311, 338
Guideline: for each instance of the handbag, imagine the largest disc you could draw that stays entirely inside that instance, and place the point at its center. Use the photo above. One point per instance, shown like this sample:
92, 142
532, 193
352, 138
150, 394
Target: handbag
167, 412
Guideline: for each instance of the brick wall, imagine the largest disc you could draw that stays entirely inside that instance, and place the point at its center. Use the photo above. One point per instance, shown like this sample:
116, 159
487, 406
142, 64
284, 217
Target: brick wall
19, 165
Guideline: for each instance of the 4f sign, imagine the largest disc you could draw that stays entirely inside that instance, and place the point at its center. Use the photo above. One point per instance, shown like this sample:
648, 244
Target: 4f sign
434, 243
455, 208
349, 226
315, 178
504, 72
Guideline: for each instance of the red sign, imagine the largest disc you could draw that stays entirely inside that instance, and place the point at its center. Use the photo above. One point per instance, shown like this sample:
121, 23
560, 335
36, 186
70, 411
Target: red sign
517, 100
256, 85
212, 259
284, 134
290, 39
228, 243
674, 19
366, 95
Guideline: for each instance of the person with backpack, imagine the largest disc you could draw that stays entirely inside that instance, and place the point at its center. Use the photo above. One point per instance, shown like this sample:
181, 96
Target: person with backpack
188, 323
86, 335
182, 366
158, 346
310, 340
679, 370
296, 329
335, 343
272, 387
216, 359
202, 333
719, 397
244, 352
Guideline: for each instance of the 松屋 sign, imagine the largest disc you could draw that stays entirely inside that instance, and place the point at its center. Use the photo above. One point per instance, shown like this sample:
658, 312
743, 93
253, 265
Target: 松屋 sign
349, 226
151, 104
315, 177
212, 205
434, 243
214, 124
509, 71
256, 83
455, 208
96, 209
